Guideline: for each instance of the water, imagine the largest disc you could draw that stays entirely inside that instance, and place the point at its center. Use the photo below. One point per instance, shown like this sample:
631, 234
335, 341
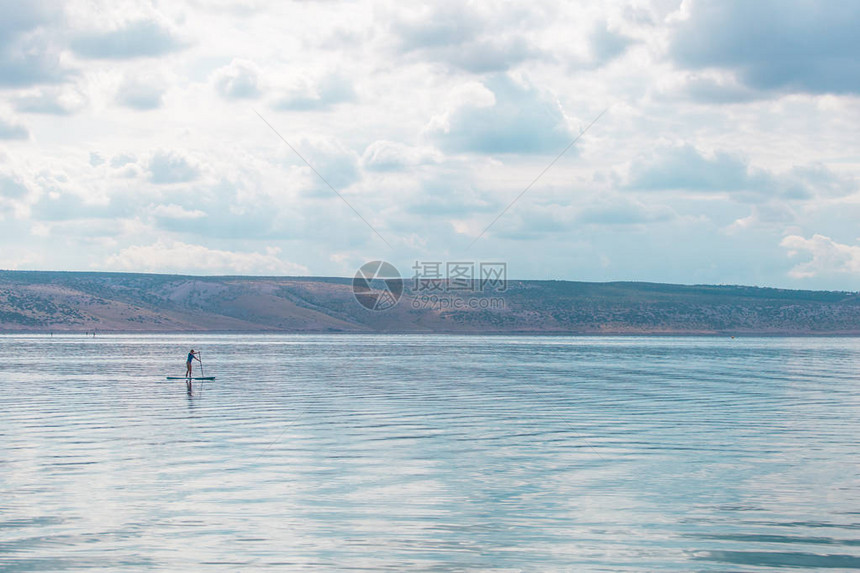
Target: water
430, 453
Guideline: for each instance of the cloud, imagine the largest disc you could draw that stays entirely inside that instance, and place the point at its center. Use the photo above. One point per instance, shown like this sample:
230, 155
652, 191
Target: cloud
179, 257
432, 119
52, 101
488, 55
333, 161
386, 155
327, 92
140, 93
623, 212
173, 211
224, 218
170, 167
24, 259
34, 61
442, 24
14, 194
74, 190
22, 16
245, 209
722, 90
239, 80
451, 196
122, 160
29, 52
10, 129
517, 119
827, 256
12, 187
468, 36
606, 45
59, 205
771, 213
135, 39
816, 179
684, 168
780, 45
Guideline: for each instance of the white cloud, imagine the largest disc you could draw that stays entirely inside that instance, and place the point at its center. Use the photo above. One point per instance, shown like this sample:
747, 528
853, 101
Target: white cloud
607, 44
621, 211
141, 93
11, 129
685, 168
15, 194
133, 39
239, 80
179, 257
29, 52
24, 259
477, 37
385, 155
121, 160
12, 187
827, 257
322, 94
173, 211
171, 167
773, 213
335, 162
65, 100
519, 119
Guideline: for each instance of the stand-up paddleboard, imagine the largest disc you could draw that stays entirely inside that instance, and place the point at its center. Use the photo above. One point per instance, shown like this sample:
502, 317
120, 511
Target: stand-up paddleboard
194, 378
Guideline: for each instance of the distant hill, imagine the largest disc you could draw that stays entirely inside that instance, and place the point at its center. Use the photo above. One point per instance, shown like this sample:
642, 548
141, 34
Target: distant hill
118, 302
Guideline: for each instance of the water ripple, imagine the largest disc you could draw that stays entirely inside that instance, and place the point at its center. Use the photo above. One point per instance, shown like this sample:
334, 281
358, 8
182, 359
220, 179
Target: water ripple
430, 453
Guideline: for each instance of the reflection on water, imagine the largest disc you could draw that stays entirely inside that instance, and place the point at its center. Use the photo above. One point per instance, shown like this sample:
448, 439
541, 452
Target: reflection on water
430, 453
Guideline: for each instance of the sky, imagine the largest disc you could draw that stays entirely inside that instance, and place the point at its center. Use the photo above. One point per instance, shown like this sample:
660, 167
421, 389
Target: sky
307, 138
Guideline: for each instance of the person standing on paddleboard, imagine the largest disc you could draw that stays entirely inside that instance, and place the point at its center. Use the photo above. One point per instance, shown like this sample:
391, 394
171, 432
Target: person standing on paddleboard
191, 356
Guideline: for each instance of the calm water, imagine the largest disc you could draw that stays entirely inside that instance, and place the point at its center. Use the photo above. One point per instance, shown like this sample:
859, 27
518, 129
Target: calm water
430, 453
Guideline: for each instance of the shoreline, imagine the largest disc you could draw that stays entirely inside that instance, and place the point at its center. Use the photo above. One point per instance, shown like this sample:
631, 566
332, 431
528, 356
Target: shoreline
438, 333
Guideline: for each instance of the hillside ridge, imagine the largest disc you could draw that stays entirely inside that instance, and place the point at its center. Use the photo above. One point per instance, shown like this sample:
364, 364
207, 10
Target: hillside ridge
68, 301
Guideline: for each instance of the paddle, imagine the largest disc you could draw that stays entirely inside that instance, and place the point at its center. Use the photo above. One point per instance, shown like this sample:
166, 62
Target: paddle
202, 372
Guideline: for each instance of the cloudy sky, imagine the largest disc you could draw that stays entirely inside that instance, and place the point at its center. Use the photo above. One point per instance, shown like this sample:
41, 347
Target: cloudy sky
134, 137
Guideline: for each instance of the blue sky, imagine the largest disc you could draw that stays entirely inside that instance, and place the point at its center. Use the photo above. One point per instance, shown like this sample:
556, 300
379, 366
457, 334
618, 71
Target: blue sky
130, 140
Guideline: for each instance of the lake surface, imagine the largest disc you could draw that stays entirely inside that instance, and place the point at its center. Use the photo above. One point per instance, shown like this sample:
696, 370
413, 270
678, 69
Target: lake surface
430, 453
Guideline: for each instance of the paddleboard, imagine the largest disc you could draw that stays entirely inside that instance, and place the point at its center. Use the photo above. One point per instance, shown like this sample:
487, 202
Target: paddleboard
194, 378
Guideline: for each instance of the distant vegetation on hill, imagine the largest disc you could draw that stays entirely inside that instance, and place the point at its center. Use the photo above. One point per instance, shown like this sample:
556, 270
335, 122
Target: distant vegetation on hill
114, 302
